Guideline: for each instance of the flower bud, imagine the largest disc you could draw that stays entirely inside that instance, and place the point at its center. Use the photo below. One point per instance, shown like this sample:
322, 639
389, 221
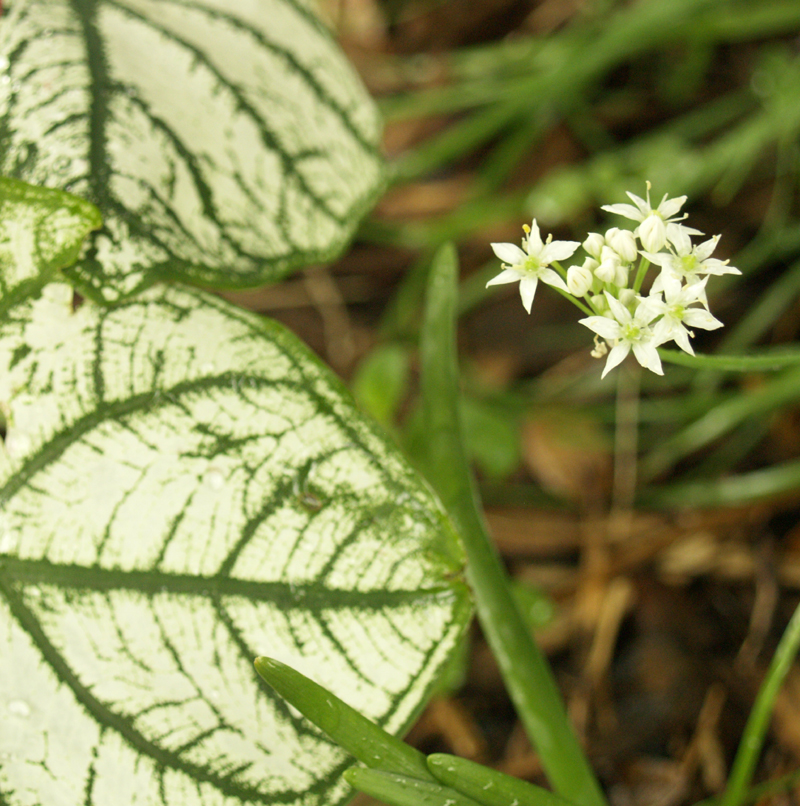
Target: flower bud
580, 278
594, 244
607, 270
600, 303
653, 233
623, 242
627, 296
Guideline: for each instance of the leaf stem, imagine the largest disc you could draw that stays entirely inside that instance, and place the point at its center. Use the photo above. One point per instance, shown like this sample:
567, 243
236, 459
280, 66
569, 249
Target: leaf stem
764, 360
641, 273
524, 667
574, 300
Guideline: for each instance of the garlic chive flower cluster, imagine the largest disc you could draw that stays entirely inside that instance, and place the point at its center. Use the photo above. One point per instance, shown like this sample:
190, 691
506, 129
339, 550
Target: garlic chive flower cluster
608, 284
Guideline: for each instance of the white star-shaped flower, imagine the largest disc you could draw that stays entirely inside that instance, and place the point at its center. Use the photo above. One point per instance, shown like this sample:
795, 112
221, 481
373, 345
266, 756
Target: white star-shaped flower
627, 331
652, 220
530, 264
675, 312
686, 262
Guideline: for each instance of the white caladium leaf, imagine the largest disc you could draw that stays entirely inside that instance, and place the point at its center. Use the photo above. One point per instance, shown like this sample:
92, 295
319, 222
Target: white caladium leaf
41, 231
184, 487
225, 142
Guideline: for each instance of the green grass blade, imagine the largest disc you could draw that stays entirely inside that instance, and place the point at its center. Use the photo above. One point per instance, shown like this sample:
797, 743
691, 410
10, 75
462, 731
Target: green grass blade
757, 723
720, 419
733, 490
768, 360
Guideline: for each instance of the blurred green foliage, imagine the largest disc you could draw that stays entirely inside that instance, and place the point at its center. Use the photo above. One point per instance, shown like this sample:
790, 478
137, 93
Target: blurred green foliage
700, 97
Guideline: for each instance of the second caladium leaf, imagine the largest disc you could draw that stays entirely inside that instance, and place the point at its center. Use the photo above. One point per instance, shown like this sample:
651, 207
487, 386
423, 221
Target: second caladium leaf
183, 487
41, 231
225, 142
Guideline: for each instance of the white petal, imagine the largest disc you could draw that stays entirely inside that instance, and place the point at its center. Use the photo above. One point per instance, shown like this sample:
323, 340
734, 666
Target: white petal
602, 325
672, 288
527, 288
647, 355
509, 253
535, 240
700, 317
678, 236
552, 278
717, 267
664, 330
626, 210
663, 259
558, 250
701, 297
681, 336
669, 207
649, 308
642, 204
621, 313
658, 283
685, 229
616, 356
505, 276
705, 249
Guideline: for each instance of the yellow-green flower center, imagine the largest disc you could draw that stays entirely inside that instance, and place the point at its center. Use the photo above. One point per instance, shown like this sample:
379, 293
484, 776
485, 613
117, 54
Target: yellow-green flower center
532, 264
631, 332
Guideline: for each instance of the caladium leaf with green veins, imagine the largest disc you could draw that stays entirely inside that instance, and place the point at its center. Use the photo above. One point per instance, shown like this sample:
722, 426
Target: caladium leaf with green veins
183, 487
41, 231
225, 142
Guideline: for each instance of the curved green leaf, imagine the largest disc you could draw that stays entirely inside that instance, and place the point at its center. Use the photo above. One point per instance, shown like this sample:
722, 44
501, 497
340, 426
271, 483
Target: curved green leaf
402, 790
41, 231
183, 487
225, 143
346, 726
487, 786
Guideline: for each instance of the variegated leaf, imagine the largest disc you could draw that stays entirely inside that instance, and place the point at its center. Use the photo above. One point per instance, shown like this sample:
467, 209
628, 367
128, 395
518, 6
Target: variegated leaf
225, 142
183, 487
41, 231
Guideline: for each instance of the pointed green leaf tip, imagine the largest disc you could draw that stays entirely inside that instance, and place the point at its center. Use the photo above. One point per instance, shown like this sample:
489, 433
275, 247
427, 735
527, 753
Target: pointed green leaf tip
41, 231
487, 786
361, 738
403, 790
242, 147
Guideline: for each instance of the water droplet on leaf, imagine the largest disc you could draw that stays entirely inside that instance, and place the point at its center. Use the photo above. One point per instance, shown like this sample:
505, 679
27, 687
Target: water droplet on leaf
19, 708
214, 478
